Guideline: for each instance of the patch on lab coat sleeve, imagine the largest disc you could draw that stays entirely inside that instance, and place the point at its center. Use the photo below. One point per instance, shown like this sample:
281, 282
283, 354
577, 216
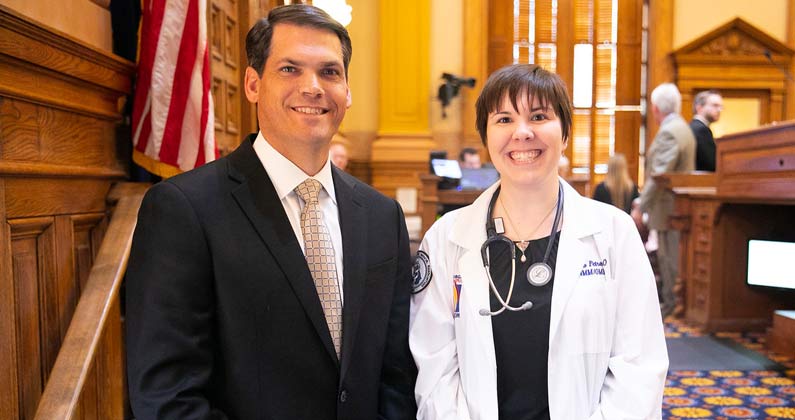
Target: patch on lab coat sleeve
421, 272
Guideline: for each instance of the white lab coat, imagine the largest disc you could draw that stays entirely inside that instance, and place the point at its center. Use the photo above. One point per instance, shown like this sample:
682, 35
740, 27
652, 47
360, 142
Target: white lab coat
607, 356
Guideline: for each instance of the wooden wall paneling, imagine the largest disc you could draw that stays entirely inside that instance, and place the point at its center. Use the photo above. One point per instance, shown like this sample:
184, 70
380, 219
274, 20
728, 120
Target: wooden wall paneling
476, 38
80, 238
628, 69
225, 64
660, 64
88, 230
789, 106
37, 326
9, 401
249, 11
565, 55
109, 367
500, 44
46, 196
29, 43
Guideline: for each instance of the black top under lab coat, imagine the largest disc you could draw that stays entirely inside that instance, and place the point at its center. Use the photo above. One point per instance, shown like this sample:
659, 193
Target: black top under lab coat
521, 339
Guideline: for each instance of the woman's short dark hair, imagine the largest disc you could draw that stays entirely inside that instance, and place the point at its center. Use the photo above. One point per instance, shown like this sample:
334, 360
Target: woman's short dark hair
258, 39
523, 79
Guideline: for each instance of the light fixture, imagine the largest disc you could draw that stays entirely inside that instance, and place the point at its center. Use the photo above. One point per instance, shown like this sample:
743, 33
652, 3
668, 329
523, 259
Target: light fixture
338, 9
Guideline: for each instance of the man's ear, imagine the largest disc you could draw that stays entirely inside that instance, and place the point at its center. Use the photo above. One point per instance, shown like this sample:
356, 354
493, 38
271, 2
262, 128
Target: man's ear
251, 85
350, 100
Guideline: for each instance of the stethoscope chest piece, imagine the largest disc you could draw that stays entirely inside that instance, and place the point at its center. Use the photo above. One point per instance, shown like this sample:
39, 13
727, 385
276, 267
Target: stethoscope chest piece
539, 274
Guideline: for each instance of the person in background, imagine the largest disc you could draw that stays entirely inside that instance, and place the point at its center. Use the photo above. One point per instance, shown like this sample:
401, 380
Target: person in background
673, 150
268, 284
469, 158
534, 302
338, 154
617, 188
707, 106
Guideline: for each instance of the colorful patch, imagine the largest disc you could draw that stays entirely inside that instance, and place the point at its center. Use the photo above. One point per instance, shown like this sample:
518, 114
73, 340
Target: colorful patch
456, 295
421, 274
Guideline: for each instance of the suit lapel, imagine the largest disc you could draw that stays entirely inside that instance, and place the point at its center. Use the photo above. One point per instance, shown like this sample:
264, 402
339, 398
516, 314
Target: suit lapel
257, 197
353, 222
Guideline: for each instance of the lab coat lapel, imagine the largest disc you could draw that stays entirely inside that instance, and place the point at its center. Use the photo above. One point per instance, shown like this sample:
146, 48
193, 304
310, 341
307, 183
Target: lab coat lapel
469, 233
578, 224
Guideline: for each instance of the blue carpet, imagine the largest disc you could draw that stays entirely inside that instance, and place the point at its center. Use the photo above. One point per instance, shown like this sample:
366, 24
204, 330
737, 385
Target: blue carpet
714, 353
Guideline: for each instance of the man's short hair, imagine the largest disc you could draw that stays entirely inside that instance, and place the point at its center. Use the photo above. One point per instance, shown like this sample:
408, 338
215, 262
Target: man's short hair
258, 39
467, 151
667, 98
524, 79
701, 98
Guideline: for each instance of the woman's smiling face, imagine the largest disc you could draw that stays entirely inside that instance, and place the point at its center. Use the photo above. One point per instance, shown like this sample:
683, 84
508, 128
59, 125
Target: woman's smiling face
525, 143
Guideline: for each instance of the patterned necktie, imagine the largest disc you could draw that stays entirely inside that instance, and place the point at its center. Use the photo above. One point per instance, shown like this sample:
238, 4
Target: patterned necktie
320, 258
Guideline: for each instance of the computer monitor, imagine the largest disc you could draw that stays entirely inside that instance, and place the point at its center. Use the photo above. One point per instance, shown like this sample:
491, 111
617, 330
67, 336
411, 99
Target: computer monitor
446, 168
478, 179
436, 154
769, 264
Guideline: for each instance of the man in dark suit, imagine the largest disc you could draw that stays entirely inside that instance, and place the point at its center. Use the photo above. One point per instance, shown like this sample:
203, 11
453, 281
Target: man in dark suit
269, 284
707, 106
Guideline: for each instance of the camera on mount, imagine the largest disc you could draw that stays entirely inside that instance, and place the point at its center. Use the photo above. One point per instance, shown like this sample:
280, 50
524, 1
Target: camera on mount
449, 89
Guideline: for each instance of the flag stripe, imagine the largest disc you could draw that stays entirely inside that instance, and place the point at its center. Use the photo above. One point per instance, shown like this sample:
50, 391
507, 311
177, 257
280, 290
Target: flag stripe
169, 151
152, 19
172, 113
200, 158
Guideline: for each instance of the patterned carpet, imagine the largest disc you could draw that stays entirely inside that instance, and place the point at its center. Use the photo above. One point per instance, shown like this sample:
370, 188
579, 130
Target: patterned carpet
729, 394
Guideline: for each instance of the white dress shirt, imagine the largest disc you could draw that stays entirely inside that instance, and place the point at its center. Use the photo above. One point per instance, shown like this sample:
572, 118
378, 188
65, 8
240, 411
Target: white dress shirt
286, 176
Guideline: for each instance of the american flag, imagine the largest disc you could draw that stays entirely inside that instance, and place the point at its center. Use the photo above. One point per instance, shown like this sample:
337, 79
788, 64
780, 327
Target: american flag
173, 108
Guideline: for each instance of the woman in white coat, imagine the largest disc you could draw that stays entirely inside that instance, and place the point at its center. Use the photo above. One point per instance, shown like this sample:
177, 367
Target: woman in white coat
582, 337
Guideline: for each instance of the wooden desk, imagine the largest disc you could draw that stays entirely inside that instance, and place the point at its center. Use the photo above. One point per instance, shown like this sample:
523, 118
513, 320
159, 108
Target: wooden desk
691, 183
431, 197
753, 198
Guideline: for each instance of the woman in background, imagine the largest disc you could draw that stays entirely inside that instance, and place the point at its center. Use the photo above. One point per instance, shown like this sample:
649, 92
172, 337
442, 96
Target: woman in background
617, 188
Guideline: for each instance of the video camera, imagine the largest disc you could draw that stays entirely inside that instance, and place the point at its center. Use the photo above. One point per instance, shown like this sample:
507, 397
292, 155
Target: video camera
449, 89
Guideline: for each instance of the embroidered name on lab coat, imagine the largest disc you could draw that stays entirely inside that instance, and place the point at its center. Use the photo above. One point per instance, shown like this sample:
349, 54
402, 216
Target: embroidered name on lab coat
593, 268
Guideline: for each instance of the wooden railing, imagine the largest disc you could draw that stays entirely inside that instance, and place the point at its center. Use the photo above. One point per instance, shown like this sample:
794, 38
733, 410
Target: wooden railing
92, 351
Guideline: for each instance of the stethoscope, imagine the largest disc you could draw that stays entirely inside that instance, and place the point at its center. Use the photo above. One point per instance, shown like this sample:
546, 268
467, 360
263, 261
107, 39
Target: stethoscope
538, 274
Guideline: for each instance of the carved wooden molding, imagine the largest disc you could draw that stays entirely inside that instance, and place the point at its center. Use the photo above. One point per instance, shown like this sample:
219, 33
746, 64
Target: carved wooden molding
740, 59
32, 169
105, 4
32, 55
29, 227
736, 37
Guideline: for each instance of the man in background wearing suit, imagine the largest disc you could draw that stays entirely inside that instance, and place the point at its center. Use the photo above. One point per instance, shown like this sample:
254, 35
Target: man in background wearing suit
673, 150
707, 106
269, 284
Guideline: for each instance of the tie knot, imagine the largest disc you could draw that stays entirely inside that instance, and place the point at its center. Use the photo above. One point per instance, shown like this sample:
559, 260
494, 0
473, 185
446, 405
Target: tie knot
308, 190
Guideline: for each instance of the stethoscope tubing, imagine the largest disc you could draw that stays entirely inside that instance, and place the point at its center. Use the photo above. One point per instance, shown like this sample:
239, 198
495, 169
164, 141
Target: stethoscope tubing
493, 236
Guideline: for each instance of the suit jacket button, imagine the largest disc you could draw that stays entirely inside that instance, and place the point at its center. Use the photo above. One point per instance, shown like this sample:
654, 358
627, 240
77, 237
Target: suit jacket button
343, 396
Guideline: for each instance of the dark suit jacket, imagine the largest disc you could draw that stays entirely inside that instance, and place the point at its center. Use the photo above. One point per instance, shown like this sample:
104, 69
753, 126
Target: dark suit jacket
223, 320
705, 146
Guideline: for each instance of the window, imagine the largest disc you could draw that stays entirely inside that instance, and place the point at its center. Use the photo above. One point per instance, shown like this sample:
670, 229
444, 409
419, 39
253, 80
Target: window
591, 66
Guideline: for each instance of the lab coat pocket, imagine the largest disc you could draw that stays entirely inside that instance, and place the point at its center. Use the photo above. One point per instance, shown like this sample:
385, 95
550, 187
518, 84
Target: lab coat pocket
588, 317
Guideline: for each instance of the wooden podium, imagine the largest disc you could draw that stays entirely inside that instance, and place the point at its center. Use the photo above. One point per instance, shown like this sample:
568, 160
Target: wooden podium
753, 198
431, 197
